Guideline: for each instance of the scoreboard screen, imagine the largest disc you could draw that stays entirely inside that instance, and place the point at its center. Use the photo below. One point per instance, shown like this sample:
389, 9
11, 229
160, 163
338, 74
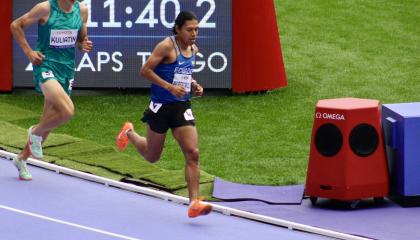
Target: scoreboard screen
124, 32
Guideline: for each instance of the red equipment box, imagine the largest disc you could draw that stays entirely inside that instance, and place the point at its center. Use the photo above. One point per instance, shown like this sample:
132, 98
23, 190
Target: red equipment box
347, 158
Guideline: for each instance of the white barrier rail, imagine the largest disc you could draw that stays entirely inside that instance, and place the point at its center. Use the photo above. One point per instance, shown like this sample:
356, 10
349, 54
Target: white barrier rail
178, 199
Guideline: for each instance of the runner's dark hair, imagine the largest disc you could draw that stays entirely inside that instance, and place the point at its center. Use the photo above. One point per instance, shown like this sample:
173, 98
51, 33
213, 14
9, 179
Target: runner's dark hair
182, 18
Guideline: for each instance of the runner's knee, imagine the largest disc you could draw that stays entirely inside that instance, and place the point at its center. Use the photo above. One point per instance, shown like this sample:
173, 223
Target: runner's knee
153, 159
192, 155
67, 112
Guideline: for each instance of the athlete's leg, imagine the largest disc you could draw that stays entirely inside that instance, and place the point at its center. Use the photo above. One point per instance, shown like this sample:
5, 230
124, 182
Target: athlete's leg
48, 112
149, 147
58, 108
51, 114
187, 138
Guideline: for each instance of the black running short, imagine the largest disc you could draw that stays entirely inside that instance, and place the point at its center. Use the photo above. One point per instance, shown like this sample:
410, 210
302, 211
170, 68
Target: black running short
161, 117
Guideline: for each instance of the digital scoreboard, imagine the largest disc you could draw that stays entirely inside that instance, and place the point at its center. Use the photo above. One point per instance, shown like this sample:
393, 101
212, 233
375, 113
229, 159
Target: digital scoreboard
124, 32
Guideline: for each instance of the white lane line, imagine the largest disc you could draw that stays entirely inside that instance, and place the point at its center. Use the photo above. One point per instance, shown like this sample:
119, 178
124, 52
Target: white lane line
67, 223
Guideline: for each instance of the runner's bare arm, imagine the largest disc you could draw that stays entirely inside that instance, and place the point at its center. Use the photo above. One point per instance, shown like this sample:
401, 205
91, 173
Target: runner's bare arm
159, 54
198, 90
83, 42
38, 14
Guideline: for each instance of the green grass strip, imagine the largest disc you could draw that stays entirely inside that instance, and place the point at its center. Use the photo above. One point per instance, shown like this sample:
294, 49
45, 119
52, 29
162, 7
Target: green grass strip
89, 156
118, 162
14, 136
99, 171
9, 148
81, 147
175, 179
13, 113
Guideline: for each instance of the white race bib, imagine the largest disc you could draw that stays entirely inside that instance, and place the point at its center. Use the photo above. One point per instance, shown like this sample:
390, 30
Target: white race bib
71, 82
183, 80
188, 115
63, 38
48, 74
154, 106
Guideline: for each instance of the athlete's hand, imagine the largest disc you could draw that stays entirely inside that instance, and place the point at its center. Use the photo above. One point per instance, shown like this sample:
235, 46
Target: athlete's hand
86, 45
197, 88
177, 91
35, 57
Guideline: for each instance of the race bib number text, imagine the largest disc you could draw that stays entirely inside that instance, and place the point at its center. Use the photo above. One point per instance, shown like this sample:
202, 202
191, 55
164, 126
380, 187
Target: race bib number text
63, 38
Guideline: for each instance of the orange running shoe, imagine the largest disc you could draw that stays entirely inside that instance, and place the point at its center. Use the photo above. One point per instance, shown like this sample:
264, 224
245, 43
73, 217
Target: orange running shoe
122, 140
198, 208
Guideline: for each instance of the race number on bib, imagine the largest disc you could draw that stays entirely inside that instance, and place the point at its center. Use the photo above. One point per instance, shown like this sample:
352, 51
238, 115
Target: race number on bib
188, 115
71, 82
63, 38
48, 74
154, 107
183, 80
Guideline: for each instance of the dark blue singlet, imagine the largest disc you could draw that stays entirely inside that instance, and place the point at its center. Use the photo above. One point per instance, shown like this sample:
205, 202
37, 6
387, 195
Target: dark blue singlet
182, 68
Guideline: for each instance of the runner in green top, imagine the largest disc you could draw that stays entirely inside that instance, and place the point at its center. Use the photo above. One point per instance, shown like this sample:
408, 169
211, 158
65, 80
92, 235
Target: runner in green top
61, 27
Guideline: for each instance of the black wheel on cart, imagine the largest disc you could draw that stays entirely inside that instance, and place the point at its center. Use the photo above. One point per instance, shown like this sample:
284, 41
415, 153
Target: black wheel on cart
354, 204
378, 200
313, 200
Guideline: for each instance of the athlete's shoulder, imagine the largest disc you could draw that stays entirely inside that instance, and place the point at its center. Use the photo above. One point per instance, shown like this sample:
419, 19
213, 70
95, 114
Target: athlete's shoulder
83, 8
42, 8
39, 13
167, 42
84, 11
165, 45
44, 4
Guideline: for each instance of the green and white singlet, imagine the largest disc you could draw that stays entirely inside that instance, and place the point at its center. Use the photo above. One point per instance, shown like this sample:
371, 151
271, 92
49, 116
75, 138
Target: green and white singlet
57, 41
